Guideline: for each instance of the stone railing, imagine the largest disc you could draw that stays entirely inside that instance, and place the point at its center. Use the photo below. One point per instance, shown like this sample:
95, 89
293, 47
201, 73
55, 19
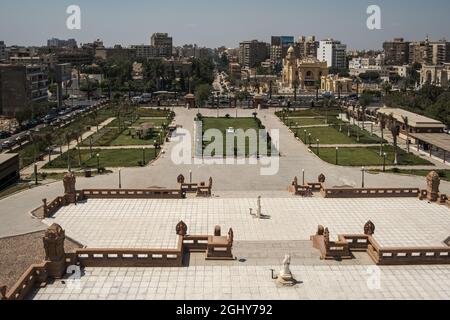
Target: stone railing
371, 193
52, 207
381, 256
129, 194
131, 258
201, 189
34, 275
195, 243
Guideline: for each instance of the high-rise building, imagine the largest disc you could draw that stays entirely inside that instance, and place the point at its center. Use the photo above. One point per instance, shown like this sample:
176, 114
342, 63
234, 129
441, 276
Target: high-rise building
429, 52
396, 52
333, 52
163, 43
252, 53
145, 51
307, 46
13, 89
280, 46
3, 55
57, 43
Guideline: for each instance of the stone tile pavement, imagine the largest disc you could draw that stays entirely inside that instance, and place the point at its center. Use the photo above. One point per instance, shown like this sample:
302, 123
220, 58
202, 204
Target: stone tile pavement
151, 223
254, 283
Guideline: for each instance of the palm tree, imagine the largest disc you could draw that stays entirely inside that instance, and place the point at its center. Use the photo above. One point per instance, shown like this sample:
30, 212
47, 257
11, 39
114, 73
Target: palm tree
295, 84
382, 122
393, 126
48, 138
317, 84
68, 137
406, 123
339, 87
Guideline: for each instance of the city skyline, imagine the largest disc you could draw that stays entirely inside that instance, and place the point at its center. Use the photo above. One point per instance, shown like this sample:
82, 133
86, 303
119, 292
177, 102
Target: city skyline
214, 25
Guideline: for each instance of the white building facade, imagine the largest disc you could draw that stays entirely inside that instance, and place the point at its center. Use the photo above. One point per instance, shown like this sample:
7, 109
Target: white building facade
333, 52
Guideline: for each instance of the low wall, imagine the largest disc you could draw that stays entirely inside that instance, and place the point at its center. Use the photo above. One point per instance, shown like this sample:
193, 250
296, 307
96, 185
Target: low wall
130, 194
195, 243
371, 193
35, 274
130, 258
380, 255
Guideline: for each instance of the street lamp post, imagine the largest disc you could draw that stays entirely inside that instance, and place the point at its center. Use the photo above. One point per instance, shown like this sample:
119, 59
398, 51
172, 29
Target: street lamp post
190, 176
120, 178
310, 143
384, 161
337, 151
98, 163
363, 171
303, 174
318, 144
305, 134
35, 174
143, 156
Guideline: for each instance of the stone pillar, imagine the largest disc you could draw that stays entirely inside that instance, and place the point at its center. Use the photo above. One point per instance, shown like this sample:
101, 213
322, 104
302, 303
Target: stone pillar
433, 182
369, 228
322, 178
54, 251
181, 229
44, 207
70, 193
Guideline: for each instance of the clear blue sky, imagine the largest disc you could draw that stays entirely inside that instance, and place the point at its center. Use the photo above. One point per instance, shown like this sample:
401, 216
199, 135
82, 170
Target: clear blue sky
213, 23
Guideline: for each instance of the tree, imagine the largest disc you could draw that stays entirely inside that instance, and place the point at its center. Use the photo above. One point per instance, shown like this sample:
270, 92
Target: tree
393, 127
295, 84
387, 87
382, 123
406, 123
202, 94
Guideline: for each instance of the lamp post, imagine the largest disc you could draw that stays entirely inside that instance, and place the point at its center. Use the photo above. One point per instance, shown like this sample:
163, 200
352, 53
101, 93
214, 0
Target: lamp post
303, 174
120, 178
190, 176
143, 156
35, 174
90, 145
318, 144
309, 138
363, 171
305, 134
337, 151
384, 161
98, 163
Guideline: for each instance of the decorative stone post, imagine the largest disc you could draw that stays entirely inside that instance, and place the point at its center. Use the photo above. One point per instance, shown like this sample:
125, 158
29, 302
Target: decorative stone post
322, 178
369, 228
217, 231
180, 179
54, 251
433, 182
181, 229
44, 207
70, 193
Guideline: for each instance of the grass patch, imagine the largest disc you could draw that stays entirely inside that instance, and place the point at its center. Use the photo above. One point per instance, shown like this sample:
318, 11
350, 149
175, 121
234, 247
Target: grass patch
155, 122
334, 135
369, 156
129, 138
114, 158
60, 176
222, 124
154, 113
312, 112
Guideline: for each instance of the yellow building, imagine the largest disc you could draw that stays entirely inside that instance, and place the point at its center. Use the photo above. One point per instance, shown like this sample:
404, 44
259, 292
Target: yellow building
307, 71
334, 84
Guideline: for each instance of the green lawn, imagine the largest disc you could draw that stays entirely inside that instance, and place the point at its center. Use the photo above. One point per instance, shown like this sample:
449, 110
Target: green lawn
108, 158
153, 113
155, 122
337, 134
301, 122
126, 139
443, 174
369, 156
313, 112
103, 138
222, 124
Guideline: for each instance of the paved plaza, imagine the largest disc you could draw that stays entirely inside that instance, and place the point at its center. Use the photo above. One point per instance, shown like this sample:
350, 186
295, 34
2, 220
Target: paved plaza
254, 283
14, 210
151, 223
